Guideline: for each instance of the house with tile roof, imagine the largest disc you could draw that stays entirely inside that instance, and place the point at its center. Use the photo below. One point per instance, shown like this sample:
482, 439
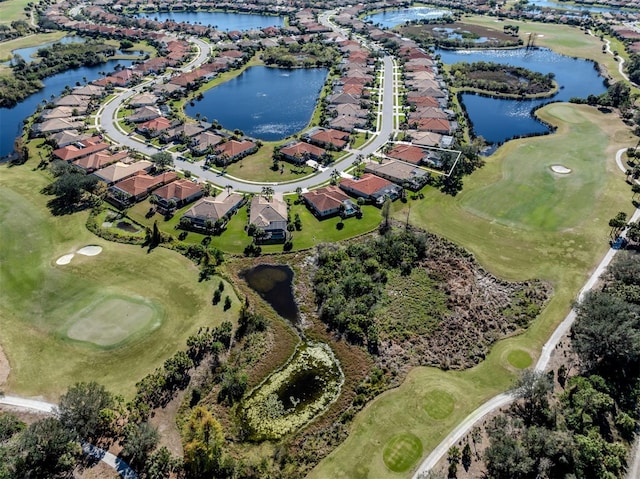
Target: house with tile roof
153, 128
81, 149
270, 215
330, 201
177, 194
407, 152
138, 186
299, 152
207, 211
372, 188
120, 171
400, 173
233, 150
328, 138
204, 142
101, 159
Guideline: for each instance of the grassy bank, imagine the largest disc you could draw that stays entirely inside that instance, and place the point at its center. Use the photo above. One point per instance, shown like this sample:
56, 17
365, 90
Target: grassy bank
518, 244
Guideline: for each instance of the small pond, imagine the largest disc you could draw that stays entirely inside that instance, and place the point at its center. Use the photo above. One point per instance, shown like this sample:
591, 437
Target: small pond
295, 394
263, 102
275, 284
498, 120
219, 20
392, 18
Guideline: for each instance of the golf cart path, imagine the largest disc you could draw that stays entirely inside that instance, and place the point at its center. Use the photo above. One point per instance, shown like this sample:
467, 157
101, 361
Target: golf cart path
114, 462
503, 399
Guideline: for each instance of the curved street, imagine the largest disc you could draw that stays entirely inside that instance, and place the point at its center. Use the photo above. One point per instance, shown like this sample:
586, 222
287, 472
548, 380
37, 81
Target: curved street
504, 399
105, 121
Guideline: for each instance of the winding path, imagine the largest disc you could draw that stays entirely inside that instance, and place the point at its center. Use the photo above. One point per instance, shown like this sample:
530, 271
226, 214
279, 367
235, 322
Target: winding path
114, 462
106, 121
504, 399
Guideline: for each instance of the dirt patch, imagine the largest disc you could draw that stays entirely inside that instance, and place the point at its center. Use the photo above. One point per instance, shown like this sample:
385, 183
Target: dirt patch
5, 368
165, 420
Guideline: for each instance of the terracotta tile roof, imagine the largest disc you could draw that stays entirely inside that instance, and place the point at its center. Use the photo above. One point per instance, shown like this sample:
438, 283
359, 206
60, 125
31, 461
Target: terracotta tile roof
409, 153
214, 208
300, 148
335, 137
157, 124
95, 161
234, 148
368, 184
178, 190
142, 183
327, 198
119, 170
82, 148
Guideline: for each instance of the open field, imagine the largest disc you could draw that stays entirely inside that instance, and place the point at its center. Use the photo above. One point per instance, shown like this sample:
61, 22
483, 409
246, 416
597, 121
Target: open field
11, 10
563, 255
26, 42
40, 302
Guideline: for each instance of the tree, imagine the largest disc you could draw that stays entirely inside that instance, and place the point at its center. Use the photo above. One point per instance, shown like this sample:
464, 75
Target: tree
386, 212
160, 464
533, 389
267, 192
162, 159
203, 441
617, 223
46, 450
139, 441
83, 410
606, 333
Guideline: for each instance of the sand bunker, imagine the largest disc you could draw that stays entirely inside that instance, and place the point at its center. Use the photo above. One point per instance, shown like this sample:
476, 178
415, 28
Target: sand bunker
90, 250
563, 170
66, 259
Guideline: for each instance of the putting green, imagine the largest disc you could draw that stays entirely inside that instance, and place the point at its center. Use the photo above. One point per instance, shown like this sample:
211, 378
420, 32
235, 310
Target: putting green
402, 451
439, 404
519, 359
111, 320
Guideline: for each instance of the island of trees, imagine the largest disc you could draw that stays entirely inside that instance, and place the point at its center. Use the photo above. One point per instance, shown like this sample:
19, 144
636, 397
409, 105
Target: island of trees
497, 78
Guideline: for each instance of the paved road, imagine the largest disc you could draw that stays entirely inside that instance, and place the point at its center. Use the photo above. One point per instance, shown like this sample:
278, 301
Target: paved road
502, 400
95, 452
107, 113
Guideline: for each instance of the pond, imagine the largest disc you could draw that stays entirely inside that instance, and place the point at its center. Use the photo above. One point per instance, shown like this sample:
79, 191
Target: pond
263, 102
392, 18
219, 20
571, 7
498, 120
11, 119
274, 283
295, 394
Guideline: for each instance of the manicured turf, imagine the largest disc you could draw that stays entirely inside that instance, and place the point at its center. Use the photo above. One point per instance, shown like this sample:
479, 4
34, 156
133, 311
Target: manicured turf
110, 320
439, 404
25, 42
538, 198
563, 255
519, 359
402, 451
11, 10
39, 299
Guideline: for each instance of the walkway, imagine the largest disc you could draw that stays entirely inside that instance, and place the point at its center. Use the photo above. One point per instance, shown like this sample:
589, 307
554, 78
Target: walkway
114, 462
504, 399
106, 121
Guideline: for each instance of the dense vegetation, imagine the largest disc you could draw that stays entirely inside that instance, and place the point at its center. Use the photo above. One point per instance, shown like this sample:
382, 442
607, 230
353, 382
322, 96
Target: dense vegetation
54, 59
500, 78
307, 55
582, 429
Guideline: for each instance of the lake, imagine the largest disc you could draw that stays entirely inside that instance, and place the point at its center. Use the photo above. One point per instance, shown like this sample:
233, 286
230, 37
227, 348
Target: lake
219, 20
498, 120
391, 18
265, 103
578, 8
11, 118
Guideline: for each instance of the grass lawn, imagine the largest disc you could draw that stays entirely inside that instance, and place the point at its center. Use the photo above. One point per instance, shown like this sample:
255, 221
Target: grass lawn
439, 404
50, 314
563, 254
11, 10
402, 451
257, 167
26, 42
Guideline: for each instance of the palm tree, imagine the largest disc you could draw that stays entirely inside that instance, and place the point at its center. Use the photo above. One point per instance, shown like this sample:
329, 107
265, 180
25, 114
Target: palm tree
267, 192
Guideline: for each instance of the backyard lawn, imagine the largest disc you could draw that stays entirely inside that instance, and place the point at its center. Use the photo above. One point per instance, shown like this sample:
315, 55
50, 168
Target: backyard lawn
519, 245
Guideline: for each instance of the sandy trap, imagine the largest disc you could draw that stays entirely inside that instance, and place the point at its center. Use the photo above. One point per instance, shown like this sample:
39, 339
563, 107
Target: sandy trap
561, 170
89, 250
